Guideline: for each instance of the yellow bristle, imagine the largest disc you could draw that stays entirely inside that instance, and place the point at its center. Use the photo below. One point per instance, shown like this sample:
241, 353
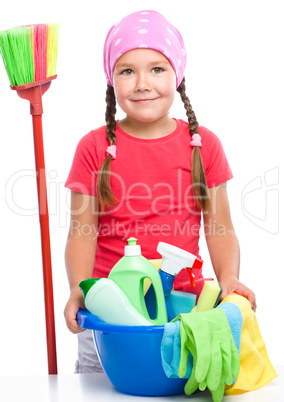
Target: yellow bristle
32, 42
52, 47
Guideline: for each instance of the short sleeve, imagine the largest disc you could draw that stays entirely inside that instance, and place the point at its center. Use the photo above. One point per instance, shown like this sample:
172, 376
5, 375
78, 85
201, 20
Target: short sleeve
216, 165
83, 173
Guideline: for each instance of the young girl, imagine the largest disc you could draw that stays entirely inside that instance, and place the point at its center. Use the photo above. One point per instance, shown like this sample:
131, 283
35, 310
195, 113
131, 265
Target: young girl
148, 175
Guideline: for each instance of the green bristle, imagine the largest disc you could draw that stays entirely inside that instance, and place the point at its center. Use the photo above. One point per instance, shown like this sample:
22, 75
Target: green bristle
6, 55
17, 53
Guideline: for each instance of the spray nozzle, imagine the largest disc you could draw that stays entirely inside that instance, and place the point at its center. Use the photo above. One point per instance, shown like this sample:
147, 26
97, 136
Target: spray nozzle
175, 259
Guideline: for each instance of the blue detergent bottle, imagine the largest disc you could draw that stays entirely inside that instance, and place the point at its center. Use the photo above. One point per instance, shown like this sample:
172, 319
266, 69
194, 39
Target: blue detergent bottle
174, 260
129, 274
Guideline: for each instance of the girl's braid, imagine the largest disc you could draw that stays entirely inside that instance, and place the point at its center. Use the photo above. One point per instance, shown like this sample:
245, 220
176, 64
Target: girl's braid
199, 184
104, 191
110, 115
193, 124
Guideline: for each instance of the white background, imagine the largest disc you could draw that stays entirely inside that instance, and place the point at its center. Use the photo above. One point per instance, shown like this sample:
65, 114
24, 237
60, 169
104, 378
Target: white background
235, 84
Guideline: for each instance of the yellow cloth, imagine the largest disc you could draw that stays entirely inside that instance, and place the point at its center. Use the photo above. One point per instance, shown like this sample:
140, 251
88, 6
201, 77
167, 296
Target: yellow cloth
256, 369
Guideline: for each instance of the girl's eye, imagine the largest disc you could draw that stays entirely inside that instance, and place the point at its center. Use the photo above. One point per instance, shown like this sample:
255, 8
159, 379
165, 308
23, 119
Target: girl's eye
128, 71
157, 70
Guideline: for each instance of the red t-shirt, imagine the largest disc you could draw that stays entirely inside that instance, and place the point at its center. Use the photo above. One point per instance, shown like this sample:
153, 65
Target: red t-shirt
151, 178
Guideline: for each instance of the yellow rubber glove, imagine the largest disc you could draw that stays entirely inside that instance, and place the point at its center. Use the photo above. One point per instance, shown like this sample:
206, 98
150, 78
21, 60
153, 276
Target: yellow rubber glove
208, 337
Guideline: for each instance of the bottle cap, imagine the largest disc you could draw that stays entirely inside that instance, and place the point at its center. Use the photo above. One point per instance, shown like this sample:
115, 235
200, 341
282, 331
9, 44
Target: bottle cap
132, 249
86, 285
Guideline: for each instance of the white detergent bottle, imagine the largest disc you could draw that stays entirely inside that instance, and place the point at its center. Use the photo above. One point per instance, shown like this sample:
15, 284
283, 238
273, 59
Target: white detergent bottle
104, 298
174, 260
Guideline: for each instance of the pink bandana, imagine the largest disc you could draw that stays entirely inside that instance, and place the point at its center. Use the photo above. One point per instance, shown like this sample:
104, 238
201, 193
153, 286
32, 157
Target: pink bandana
144, 29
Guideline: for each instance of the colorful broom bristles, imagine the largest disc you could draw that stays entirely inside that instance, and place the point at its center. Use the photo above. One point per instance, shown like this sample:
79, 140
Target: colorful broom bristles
29, 53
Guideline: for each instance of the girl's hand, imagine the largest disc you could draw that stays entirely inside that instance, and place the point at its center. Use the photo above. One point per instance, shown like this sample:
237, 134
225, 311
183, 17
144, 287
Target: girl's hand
233, 285
75, 302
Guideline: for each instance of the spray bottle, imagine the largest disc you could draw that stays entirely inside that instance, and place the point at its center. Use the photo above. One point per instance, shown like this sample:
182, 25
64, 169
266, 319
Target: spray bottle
174, 260
129, 274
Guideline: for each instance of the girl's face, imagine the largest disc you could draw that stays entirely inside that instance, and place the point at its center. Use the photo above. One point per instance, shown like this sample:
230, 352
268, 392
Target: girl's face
144, 84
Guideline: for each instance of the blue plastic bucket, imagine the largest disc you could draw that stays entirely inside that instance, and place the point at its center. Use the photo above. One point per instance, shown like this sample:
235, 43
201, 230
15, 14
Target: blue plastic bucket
131, 357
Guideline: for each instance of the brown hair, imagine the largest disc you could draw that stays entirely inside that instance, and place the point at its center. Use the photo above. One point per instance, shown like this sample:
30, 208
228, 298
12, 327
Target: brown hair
199, 184
104, 191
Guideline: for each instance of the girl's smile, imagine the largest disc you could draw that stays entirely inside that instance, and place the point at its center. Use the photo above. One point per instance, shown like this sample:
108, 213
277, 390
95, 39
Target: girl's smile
144, 101
145, 85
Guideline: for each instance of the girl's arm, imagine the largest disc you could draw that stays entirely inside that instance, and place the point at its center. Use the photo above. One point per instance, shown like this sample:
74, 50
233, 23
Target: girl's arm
223, 245
80, 252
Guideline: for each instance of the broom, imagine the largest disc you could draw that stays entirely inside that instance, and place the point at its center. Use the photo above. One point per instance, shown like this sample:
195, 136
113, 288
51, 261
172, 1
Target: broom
29, 54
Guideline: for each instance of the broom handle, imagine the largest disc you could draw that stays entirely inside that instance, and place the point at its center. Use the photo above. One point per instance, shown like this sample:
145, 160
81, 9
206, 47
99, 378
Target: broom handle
45, 243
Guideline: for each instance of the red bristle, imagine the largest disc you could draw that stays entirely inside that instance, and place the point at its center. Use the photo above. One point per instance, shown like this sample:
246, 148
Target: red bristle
40, 50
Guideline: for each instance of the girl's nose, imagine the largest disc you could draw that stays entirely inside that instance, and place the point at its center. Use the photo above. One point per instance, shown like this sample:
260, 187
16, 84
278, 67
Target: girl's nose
142, 82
